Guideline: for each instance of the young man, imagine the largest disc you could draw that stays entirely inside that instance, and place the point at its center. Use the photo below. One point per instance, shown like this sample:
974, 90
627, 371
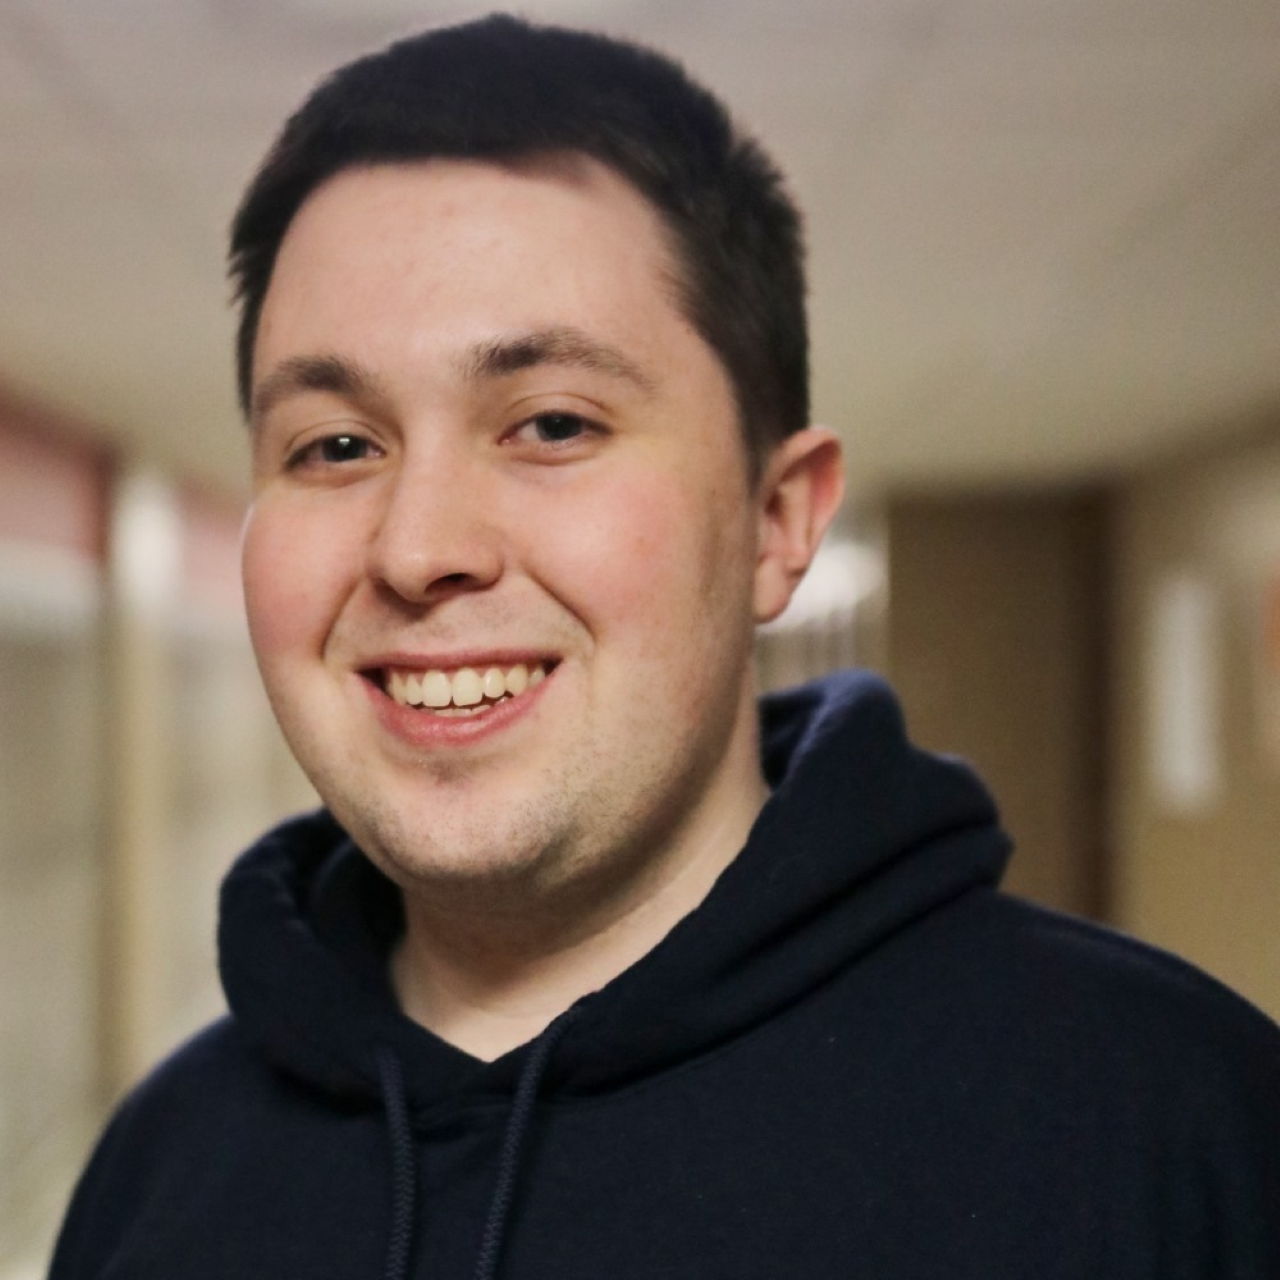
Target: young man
590, 968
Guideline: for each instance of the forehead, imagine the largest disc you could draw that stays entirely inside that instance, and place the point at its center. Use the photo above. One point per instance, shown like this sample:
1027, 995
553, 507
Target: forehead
407, 272
560, 232
447, 305
482, 188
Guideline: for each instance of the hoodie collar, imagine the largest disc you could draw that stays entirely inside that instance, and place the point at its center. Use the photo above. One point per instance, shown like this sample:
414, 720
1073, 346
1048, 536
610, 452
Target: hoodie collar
863, 834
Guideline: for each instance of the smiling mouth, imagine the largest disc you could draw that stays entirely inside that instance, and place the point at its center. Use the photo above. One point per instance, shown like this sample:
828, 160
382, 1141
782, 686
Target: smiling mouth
468, 691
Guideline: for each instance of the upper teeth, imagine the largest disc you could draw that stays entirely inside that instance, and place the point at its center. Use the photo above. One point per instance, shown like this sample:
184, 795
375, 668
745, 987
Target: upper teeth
464, 688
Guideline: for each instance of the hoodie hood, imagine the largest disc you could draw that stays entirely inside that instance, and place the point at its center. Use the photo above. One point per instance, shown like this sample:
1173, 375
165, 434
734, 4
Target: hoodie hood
862, 836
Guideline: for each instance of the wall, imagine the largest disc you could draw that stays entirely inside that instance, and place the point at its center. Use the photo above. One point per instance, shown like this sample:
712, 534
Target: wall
996, 643
53, 493
1198, 834
137, 757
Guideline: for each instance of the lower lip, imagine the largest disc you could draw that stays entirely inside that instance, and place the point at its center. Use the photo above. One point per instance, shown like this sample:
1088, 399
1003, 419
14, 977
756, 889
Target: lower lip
424, 729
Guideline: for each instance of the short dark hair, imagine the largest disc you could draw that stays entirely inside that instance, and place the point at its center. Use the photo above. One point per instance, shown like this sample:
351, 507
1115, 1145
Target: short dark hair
501, 89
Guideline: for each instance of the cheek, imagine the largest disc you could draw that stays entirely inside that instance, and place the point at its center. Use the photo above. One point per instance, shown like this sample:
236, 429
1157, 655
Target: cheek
288, 585
653, 566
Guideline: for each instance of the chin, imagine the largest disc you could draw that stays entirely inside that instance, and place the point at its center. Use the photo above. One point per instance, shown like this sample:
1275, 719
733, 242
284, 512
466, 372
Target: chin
459, 854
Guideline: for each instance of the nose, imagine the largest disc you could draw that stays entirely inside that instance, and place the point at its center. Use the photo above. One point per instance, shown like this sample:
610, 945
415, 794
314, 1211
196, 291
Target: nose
437, 533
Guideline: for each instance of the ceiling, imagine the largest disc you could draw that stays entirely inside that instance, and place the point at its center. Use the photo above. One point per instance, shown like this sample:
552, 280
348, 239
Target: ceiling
1045, 234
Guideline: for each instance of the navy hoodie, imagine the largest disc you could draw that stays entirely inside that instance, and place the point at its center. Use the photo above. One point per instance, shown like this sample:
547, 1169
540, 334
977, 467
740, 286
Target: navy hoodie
856, 1058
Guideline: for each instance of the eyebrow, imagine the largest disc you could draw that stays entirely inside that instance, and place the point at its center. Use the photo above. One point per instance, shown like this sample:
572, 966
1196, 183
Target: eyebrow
298, 374
564, 346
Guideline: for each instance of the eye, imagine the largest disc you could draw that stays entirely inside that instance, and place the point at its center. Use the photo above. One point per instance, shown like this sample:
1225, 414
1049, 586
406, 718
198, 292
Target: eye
554, 432
333, 450
558, 428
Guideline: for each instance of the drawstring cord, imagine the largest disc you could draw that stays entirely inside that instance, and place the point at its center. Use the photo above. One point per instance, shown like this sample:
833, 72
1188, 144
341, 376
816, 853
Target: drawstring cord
518, 1124
403, 1165
404, 1191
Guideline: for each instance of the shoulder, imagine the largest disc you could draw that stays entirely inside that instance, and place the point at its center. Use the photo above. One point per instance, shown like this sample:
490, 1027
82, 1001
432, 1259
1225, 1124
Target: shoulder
216, 1093
1075, 959
204, 1097
1105, 1010
194, 1087
200, 1082
1095, 1088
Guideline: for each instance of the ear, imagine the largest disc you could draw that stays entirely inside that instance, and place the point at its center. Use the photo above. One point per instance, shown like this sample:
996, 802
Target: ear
798, 495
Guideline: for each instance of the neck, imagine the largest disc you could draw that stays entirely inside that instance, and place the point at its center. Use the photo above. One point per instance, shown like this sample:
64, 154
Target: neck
489, 972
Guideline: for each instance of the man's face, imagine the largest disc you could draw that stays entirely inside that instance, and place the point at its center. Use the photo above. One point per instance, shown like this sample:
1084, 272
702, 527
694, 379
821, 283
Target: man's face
486, 440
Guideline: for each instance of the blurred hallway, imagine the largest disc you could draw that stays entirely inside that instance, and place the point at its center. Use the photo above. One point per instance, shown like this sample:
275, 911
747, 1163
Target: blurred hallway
1046, 311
